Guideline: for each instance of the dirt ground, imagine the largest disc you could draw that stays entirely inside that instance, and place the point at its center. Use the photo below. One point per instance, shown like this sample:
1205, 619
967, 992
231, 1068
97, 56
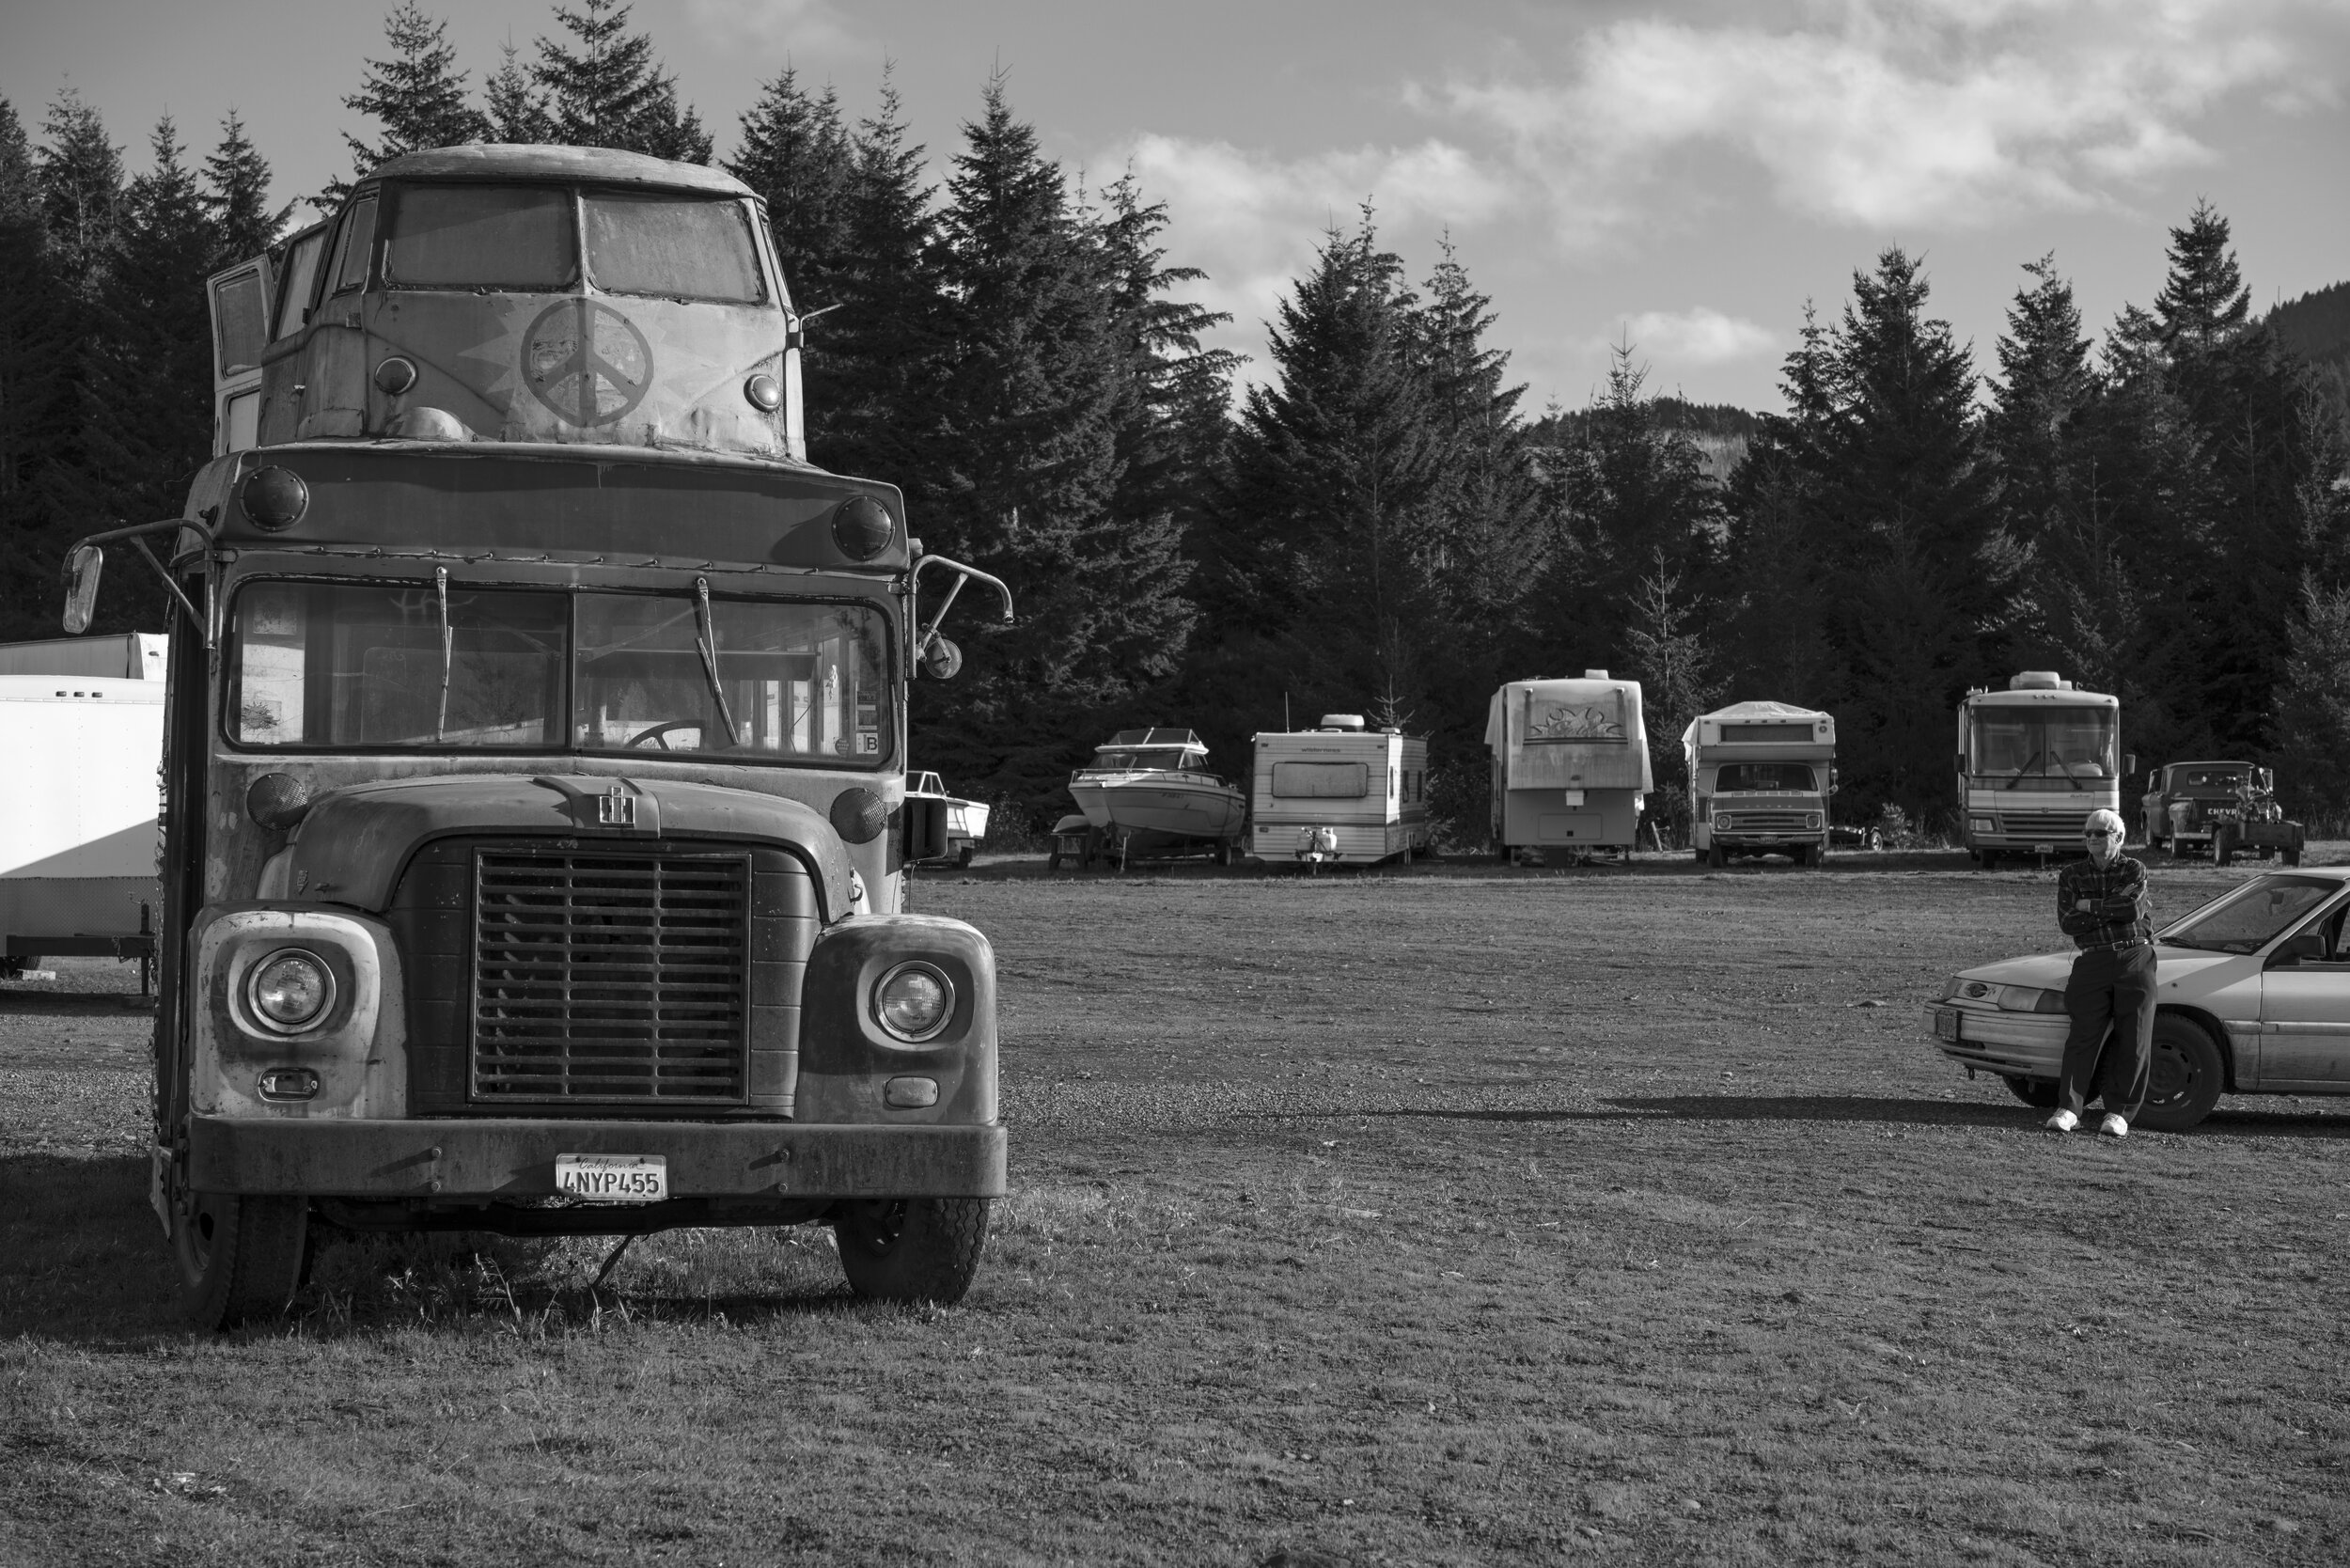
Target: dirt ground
1459, 1216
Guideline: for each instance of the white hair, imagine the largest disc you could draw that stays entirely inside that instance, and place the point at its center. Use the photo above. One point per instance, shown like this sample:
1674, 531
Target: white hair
2102, 817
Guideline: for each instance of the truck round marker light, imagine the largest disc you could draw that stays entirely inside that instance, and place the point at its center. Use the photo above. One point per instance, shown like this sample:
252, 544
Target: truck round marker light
289, 989
395, 375
863, 529
858, 815
276, 801
913, 1002
274, 498
764, 391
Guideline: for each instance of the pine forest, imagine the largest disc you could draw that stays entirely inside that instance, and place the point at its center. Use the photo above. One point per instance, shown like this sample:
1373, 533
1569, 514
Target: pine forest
1371, 520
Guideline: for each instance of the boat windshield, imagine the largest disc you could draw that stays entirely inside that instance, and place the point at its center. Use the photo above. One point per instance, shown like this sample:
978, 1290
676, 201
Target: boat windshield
1738, 776
2044, 741
1127, 759
2246, 919
385, 666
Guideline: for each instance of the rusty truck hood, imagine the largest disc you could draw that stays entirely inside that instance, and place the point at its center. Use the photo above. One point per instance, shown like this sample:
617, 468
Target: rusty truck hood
353, 844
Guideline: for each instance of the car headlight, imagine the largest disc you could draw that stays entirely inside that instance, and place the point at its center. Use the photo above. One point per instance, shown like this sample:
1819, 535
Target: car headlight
290, 989
2029, 998
914, 1001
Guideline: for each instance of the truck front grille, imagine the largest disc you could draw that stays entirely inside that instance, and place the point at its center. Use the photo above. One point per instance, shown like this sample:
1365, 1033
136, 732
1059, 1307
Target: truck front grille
610, 977
1748, 819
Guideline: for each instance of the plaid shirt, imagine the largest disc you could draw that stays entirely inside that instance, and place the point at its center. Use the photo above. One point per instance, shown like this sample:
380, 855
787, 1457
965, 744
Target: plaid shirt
2093, 927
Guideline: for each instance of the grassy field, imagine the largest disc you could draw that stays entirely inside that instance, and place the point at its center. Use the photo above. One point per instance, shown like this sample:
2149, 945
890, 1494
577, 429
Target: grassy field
1453, 1216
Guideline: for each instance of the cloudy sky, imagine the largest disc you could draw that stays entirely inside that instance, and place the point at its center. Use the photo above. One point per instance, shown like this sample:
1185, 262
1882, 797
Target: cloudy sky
1681, 177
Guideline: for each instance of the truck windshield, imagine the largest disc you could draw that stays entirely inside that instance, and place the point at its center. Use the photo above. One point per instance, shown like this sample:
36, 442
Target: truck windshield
2044, 741
1735, 776
353, 667
2248, 918
482, 237
687, 247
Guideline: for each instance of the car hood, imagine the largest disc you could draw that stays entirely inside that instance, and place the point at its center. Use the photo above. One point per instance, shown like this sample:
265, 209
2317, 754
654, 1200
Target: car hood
2049, 971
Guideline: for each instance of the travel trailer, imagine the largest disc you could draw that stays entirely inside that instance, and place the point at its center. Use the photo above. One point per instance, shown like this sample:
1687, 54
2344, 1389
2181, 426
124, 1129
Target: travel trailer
1759, 775
1571, 765
1338, 794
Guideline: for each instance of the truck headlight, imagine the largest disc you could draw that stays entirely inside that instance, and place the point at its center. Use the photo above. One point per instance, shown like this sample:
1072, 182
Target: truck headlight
914, 1001
1982, 824
1724, 823
290, 989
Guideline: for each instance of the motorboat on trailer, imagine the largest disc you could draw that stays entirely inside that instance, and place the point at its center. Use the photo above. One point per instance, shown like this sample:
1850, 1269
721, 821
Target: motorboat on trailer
1149, 791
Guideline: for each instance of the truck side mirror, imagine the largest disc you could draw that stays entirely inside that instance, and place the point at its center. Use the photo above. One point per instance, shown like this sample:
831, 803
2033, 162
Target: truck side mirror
2129, 762
926, 830
942, 660
82, 567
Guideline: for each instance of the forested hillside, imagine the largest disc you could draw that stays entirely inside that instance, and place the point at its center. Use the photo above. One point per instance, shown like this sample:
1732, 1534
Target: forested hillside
2157, 507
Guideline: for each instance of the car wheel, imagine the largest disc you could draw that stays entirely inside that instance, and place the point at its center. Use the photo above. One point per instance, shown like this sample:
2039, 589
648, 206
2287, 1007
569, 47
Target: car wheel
911, 1249
240, 1256
2039, 1094
2187, 1079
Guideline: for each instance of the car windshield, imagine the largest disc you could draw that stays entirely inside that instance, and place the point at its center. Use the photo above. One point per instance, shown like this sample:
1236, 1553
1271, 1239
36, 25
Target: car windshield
359, 666
2044, 741
2248, 918
1737, 776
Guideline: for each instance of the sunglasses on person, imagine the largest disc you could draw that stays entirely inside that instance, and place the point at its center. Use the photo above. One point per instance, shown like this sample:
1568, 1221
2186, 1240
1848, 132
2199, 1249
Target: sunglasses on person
2099, 833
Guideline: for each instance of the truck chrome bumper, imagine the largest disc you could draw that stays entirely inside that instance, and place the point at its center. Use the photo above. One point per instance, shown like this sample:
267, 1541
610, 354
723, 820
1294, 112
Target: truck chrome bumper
514, 1158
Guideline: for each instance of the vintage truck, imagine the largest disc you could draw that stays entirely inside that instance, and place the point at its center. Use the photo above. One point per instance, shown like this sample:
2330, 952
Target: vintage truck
534, 756
2222, 809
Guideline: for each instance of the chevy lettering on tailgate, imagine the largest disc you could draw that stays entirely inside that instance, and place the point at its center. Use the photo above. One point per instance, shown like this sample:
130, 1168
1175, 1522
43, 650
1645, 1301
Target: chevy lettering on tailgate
613, 1178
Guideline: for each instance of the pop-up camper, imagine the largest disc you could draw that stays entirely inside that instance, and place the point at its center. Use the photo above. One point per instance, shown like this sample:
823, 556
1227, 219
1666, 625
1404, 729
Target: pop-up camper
1570, 764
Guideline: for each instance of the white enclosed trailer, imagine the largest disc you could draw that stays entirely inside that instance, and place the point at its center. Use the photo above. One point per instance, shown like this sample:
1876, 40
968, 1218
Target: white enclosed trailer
1760, 774
1571, 765
126, 655
78, 793
1338, 794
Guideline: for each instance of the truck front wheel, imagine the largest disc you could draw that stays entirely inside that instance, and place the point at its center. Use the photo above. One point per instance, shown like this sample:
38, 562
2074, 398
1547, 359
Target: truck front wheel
911, 1249
240, 1256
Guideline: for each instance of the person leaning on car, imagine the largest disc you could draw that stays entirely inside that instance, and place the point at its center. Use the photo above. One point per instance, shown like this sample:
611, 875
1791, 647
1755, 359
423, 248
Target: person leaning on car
2104, 905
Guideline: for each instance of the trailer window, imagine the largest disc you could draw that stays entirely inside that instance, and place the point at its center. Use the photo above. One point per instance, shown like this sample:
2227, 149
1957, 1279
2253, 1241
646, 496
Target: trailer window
350, 666
1737, 776
802, 681
1320, 780
482, 237
685, 247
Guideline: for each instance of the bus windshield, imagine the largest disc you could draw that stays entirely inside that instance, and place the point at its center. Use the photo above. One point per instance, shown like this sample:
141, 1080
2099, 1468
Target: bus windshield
369, 667
2072, 744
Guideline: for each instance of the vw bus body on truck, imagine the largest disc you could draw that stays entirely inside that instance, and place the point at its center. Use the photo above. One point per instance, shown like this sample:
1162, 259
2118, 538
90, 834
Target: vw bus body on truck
2033, 762
1570, 764
1760, 774
1338, 794
535, 755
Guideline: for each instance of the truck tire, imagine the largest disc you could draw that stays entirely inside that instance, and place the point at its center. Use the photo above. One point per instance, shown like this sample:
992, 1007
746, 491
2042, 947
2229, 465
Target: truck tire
1717, 857
962, 859
1987, 859
2187, 1077
912, 1249
2222, 848
2292, 855
2039, 1094
240, 1256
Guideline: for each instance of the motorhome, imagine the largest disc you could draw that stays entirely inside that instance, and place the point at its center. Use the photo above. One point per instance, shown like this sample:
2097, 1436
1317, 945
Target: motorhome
2033, 762
1570, 765
535, 752
1340, 794
1759, 775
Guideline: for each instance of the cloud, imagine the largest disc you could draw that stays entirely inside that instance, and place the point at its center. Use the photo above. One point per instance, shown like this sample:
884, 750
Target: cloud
1697, 337
1253, 220
1879, 113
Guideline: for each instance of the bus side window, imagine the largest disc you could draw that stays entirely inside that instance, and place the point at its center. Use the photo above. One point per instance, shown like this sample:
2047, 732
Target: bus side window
351, 248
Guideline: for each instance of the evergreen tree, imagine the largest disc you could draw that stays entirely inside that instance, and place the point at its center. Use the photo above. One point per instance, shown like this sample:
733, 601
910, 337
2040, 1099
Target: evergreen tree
2204, 301
796, 154
2313, 752
81, 193
610, 92
2045, 378
236, 197
518, 111
416, 96
28, 324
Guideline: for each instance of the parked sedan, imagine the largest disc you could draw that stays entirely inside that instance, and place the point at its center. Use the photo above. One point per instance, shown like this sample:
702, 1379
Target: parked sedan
2251, 991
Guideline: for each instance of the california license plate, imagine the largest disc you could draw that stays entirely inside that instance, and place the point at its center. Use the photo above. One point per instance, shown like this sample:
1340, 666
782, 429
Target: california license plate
1945, 1024
613, 1178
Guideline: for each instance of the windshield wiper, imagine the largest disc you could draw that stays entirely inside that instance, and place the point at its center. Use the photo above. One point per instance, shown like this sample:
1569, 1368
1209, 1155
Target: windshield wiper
2020, 772
707, 640
449, 653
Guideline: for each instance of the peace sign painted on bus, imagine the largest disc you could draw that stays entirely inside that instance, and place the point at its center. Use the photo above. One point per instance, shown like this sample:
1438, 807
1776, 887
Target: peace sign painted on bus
586, 362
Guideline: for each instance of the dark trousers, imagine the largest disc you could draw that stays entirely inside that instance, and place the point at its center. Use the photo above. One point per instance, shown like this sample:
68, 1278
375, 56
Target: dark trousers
2116, 989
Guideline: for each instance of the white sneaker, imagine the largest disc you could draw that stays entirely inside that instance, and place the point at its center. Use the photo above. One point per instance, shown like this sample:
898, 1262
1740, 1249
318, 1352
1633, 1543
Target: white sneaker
2113, 1126
2063, 1121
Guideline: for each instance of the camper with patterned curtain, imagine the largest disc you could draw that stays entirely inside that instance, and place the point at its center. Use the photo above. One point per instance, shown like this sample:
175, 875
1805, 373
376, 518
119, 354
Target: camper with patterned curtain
1571, 766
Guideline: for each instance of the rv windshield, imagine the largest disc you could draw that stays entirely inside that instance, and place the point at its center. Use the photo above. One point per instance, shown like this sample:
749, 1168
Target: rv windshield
359, 666
2070, 743
1737, 776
